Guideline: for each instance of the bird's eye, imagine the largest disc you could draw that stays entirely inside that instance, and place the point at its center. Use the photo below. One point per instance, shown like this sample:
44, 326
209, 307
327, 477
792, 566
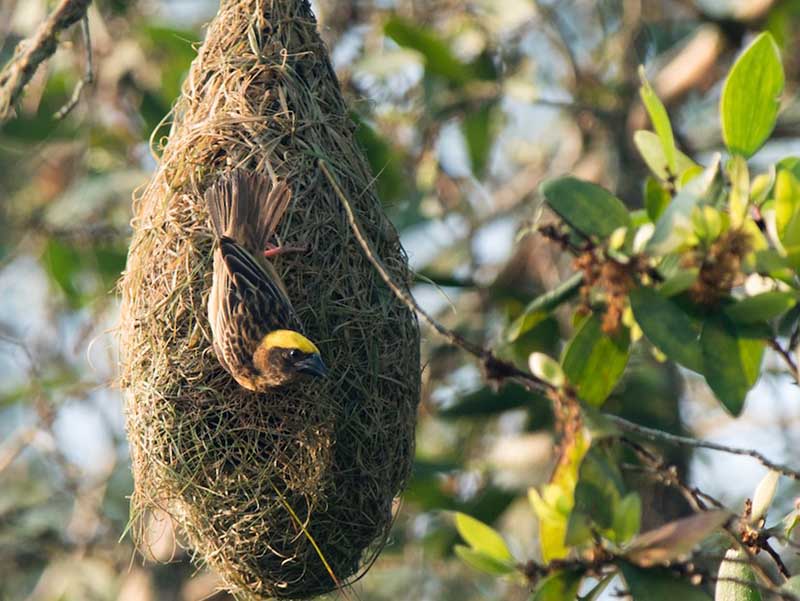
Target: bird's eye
294, 353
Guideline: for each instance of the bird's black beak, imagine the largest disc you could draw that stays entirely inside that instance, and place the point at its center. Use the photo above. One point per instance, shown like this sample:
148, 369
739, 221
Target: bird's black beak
312, 366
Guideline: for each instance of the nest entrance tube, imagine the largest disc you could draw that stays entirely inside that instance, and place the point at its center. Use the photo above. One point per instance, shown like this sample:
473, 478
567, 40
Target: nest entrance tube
286, 493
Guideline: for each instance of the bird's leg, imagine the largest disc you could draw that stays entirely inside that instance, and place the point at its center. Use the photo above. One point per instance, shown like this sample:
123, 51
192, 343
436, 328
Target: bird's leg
273, 250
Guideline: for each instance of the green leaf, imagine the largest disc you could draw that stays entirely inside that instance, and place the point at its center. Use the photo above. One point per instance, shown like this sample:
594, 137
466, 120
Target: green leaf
660, 119
659, 584
587, 207
674, 539
638, 219
525, 323
627, 517
675, 227
688, 175
787, 209
732, 578
439, 59
478, 135
656, 198
679, 282
484, 66
707, 222
597, 496
731, 361
751, 96
554, 505
667, 326
761, 187
598, 589
549, 508
772, 263
762, 307
482, 561
594, 361
790, 164
787, 525
538, 309
482, 538
545, 336
561, 586
546, 368
652, 151
63, 264
740, 190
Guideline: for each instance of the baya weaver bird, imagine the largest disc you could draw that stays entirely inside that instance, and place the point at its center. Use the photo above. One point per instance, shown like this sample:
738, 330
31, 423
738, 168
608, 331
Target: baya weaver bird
256, 334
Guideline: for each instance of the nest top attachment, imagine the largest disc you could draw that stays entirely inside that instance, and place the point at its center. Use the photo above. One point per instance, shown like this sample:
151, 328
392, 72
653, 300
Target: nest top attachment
286, 493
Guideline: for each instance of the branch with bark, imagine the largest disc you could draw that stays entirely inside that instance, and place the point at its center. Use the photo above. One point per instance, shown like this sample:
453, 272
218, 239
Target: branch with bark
35, 50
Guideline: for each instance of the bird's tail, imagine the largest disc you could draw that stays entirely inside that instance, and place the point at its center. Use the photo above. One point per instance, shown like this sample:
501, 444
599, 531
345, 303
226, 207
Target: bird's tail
247, 207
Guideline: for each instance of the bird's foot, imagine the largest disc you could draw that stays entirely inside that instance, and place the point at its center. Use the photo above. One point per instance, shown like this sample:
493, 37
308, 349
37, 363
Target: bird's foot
273, 250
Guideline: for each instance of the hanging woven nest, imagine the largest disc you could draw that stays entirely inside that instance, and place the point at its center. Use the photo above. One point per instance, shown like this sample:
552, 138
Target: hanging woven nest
287, 493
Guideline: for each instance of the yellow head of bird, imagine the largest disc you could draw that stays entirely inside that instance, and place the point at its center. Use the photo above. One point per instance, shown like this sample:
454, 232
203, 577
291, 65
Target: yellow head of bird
289, 353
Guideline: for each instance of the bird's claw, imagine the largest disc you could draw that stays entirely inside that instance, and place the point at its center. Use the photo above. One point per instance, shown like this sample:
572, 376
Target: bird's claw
273, 250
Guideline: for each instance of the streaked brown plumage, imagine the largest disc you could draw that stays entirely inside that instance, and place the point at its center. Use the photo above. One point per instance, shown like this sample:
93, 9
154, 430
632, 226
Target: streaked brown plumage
257, 336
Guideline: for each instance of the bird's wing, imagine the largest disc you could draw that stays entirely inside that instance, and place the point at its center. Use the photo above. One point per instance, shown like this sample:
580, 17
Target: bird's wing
253, 294
223, 313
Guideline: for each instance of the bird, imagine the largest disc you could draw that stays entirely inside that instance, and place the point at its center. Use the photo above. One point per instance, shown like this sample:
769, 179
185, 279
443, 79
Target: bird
256, 333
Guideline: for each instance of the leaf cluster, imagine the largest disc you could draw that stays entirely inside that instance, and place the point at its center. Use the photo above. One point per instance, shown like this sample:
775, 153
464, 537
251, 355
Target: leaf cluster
705, 275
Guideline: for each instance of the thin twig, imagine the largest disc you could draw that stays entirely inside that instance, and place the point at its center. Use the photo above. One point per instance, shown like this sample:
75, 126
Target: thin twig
787, 358
776, 558
794, 339
668, 475
88, 74
496, 368
32, 52
659, 436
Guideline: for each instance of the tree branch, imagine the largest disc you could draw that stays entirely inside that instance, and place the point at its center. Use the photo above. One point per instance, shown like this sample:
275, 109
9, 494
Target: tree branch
88, 73
32, 52
659, 436
787, 358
